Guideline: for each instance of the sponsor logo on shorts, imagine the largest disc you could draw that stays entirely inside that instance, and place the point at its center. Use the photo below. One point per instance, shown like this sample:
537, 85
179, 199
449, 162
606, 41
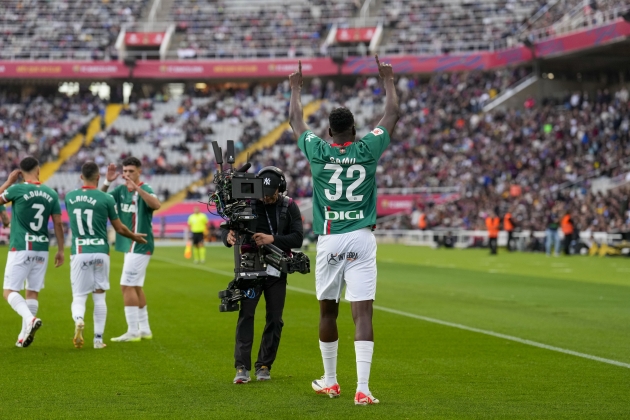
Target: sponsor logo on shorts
97, 262
334, 259
35, 259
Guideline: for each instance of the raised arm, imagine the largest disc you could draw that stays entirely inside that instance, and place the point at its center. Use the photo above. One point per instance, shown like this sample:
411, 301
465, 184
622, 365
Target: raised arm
392, 110
296, 113
111, 176
13, 177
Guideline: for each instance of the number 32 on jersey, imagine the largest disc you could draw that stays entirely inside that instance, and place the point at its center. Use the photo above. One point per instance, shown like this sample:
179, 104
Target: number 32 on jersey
336, 180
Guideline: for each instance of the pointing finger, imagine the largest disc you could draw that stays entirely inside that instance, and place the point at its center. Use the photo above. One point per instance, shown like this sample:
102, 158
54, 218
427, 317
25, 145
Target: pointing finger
300, 66
378, 63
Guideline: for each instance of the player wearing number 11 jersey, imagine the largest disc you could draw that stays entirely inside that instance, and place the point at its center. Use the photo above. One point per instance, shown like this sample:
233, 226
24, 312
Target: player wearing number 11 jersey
344, 213
88, 211
33, 205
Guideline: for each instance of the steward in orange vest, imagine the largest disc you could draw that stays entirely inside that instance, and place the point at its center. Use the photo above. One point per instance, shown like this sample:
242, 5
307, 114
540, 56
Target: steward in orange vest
492, 224
566, 224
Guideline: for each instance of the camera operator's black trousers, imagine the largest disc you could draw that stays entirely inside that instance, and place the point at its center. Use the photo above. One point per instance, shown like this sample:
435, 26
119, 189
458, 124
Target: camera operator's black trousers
275, 291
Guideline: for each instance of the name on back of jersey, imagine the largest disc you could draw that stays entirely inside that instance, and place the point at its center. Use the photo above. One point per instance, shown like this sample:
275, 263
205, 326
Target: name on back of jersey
344, 161
37, 193
83, 199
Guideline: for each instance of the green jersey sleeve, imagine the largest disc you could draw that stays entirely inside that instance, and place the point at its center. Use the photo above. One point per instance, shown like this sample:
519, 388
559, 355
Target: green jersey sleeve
112, 211
310, 144
10, 193
377, 141
2, 208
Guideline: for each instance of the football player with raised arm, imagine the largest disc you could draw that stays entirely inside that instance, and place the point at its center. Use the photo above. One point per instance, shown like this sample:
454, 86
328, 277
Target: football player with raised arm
88, 211
344, 214
33, 205
135, 202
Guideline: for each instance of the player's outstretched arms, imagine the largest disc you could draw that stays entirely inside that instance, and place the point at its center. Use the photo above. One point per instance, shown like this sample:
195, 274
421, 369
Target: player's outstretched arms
392, 110
59, 257
296, 113
124, 231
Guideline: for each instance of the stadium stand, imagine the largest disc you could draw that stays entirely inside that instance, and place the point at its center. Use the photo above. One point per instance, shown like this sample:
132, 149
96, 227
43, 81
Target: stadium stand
62, 29
172, 137
548, 152
41, 125
452, 25
279, 28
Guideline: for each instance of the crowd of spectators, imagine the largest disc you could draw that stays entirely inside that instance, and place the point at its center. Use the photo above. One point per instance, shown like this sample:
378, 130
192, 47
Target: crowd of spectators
36, 29
218, 29
526, 161
40, 125
443, 26
565, 15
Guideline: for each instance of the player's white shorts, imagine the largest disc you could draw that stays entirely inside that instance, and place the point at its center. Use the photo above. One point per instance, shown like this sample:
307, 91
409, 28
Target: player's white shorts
134, 269
346, 259
29, 266
89, 272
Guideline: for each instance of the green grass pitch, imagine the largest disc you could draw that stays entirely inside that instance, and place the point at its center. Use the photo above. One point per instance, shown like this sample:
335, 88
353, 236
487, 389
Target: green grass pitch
420, 369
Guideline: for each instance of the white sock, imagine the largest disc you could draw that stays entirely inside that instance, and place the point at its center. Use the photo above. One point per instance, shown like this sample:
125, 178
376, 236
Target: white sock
100, 315
78, 307
143, 319
364, 351
132, 315
329, 356
19, 305
33, 306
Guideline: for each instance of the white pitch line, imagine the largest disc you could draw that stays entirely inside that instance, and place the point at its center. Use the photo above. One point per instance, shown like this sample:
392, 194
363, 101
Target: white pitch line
434, 321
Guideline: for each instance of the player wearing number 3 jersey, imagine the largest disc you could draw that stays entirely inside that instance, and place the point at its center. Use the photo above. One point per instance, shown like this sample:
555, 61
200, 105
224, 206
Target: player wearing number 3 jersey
33, 205
344, 214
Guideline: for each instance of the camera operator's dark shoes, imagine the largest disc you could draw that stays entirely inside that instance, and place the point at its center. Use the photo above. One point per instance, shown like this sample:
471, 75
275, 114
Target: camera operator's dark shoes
242, 375
262, 374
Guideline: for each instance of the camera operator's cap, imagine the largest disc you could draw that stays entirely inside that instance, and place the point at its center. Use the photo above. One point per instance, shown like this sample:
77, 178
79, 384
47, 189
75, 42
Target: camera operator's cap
271, 182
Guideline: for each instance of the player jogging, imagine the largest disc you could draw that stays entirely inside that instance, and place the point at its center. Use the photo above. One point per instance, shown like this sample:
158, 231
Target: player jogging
88, 211
344, 213
198, 223
135, 202
33, 205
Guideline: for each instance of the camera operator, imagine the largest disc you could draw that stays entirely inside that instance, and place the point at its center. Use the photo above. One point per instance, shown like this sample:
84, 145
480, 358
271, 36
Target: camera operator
279, 222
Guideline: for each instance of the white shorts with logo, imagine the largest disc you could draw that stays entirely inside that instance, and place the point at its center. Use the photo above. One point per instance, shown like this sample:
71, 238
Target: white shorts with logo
25, 266
134, 269
89, 272
346, 259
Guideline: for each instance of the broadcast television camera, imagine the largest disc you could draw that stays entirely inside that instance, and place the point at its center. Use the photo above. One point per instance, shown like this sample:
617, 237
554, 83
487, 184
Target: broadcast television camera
235, 201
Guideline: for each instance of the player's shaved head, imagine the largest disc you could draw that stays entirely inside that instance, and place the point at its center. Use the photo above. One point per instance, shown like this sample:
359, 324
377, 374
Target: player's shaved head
89, 170
29, 164
340, 120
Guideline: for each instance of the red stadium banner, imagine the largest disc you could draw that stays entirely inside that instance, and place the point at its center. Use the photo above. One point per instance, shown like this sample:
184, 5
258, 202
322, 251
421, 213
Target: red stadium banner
398, 203
62, 69
217, 69
147, 39
355, 34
